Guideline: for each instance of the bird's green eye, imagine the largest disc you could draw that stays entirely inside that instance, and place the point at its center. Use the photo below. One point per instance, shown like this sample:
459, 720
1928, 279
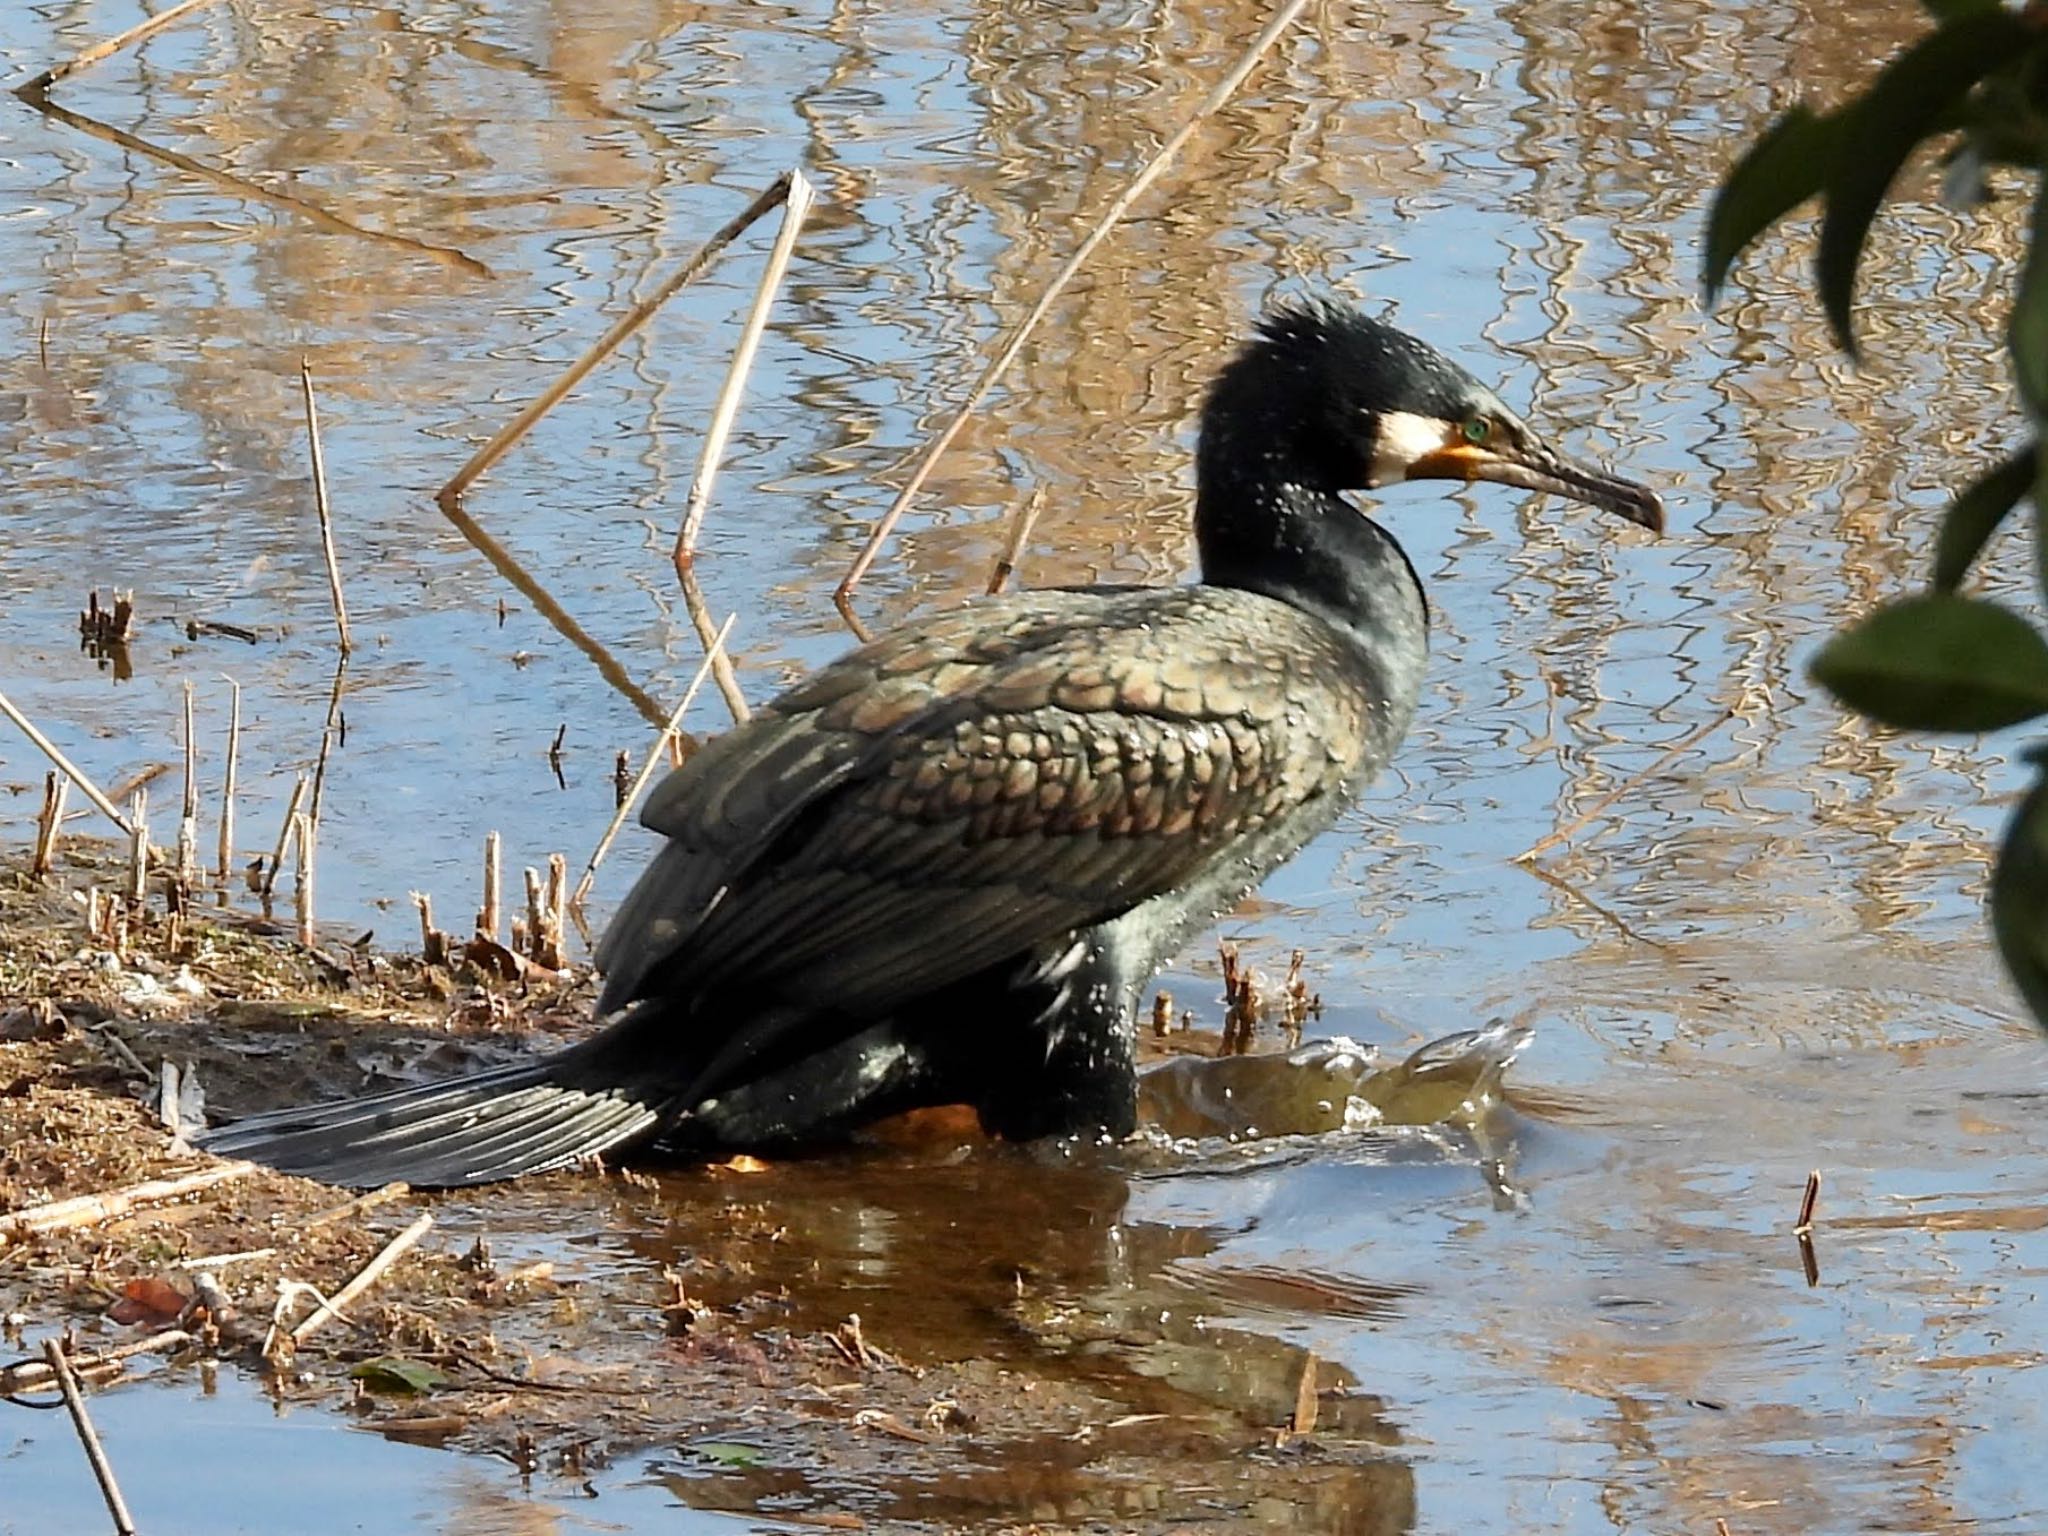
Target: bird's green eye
1477, 429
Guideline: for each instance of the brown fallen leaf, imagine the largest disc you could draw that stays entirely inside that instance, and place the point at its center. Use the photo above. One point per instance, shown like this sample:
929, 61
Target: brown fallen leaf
149, 1300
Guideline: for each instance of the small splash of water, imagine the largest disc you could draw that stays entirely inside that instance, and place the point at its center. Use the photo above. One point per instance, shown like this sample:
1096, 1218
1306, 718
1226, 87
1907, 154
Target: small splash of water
1331, 1085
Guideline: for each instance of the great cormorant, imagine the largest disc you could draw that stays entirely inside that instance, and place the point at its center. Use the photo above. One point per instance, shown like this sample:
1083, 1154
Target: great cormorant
941, 869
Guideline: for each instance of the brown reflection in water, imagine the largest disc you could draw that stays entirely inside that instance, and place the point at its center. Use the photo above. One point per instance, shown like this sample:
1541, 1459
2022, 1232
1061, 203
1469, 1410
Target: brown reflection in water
1029, 1265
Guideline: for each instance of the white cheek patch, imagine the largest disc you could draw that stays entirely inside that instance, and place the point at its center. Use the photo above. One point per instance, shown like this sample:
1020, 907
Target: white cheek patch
1403, 438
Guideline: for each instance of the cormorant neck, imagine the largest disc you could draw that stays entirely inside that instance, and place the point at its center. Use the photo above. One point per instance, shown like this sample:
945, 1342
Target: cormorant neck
1310, 548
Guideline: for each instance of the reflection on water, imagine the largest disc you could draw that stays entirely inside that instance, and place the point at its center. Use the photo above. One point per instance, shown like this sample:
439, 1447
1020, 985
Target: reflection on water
1766, 956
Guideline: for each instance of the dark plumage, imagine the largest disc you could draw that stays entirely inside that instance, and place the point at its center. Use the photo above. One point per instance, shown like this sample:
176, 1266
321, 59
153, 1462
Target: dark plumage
941, 869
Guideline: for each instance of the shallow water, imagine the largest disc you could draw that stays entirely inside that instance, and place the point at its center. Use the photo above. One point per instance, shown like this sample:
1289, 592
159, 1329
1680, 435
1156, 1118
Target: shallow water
1765, 957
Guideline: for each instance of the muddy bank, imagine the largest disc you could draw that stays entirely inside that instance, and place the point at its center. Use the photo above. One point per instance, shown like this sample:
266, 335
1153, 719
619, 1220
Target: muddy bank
927, 1329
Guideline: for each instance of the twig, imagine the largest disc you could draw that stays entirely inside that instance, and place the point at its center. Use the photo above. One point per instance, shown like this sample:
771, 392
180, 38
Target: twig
222, 1260
654, 756
487, 919
284, 835
302, 878
91, 1210
1562, 834
1020, 529
94, 1451
366, 1277
620, 329
433, 943
106, 48
56, 789
796, 206
321, 507
70, 770
227, 786
1283, 18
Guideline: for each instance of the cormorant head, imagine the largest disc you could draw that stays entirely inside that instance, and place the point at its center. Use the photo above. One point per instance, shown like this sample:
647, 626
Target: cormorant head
1331, 397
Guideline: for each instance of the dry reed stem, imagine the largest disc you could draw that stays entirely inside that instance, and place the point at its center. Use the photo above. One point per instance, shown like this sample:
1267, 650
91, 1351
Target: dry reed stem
545, 604
69, 769
796, 206
609, 342
320, 505
654, 756
188, 817
487, 919
366, 1277
106, 48
37, 1375
226, 854
284, 836
1564, 833
382, 1195
302, 878
721, 665
234, 186
102, 1469
1021, 524
1283, 18
56, 789
91, 1210
328, 728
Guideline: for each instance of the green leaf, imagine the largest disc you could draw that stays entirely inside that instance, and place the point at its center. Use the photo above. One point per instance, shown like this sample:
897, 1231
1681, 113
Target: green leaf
1782, 169
1974, 516
395, 1373
729, 1453
1939, 663
1913, 97
2019, 900
2027, 333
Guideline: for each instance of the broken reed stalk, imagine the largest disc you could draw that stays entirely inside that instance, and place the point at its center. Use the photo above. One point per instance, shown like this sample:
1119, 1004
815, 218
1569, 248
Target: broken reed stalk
320, 505
284, 836
107, 48
102, 1469
1283, 18
90, 1210
487, 919
138, 849
556, 910
188, 817
69, 769
654, 756
609, 342
226, 853
1807, 1201
302, 878
1593, 813
796, 206
1021, 524
56, 789
366, 1277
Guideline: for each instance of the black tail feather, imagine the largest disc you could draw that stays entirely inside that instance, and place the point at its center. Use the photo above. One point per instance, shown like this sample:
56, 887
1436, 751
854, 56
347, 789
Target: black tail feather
515, 1120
